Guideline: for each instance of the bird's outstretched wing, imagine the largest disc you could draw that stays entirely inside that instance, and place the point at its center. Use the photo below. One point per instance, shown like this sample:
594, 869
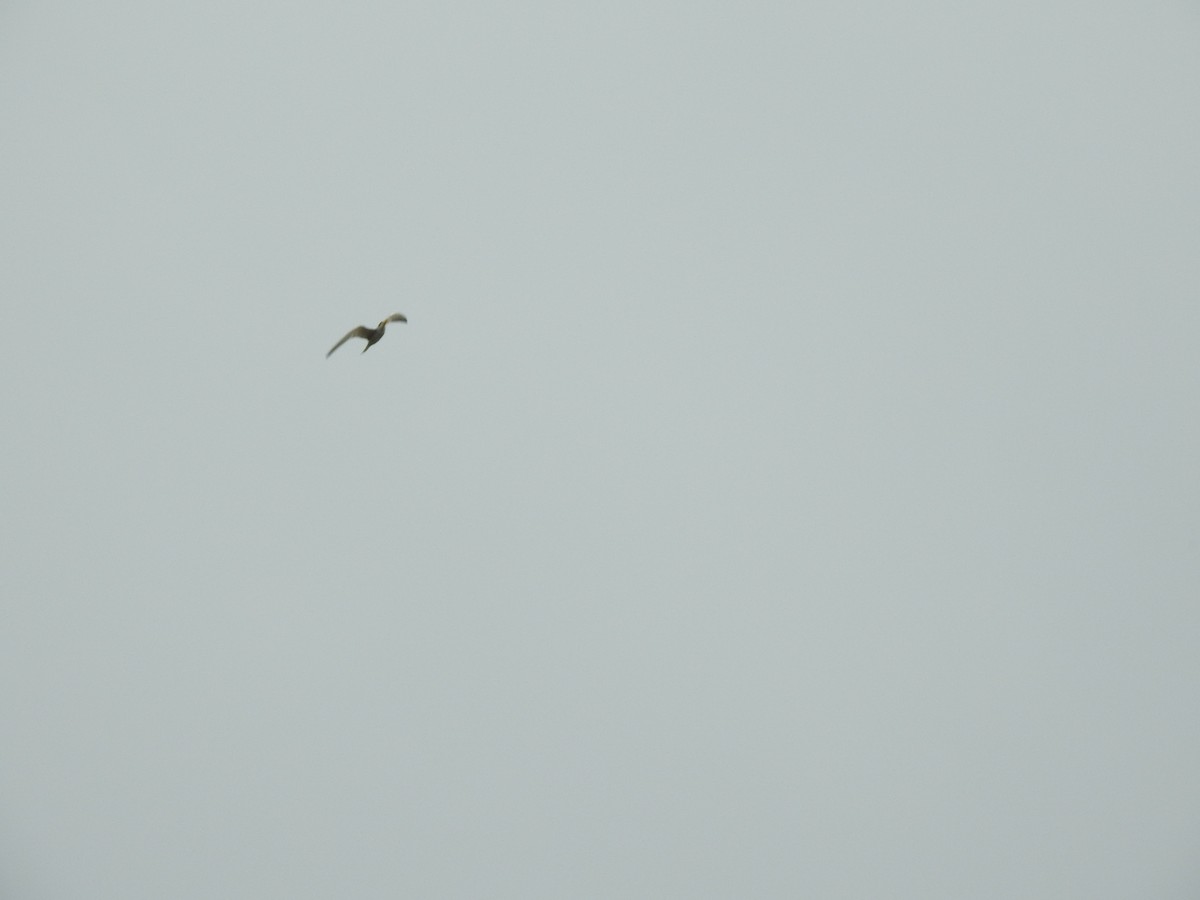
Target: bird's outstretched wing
397, 317
361, 331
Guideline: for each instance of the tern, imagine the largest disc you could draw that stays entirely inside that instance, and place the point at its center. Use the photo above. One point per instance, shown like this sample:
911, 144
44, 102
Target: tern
372, 335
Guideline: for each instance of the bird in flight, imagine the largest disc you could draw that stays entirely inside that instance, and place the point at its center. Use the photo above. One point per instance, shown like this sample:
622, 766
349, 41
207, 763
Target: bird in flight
372, 335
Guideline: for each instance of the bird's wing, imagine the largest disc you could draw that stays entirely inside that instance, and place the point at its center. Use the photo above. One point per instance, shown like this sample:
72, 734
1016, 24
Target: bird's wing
397, 317
361, 331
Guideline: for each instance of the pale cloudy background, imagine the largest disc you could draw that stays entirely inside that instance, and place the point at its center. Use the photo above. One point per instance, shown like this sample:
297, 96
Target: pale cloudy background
786, 484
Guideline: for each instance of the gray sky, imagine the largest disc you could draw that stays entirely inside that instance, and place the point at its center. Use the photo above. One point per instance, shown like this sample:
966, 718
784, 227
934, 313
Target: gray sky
785, 486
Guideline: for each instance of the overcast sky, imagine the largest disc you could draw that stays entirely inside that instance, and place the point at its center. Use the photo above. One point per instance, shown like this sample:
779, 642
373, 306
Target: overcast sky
785, 485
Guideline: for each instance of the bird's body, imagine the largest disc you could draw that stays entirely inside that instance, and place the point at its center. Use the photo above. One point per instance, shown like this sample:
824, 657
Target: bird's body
371, 335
